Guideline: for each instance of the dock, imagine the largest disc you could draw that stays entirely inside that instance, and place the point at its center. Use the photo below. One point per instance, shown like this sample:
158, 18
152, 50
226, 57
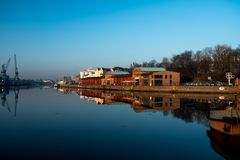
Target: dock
228, 115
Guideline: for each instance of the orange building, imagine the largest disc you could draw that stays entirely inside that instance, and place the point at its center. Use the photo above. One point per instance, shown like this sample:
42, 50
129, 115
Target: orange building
152, 76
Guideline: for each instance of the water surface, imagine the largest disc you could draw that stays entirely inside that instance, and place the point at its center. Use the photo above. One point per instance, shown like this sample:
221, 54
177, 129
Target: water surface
46, 123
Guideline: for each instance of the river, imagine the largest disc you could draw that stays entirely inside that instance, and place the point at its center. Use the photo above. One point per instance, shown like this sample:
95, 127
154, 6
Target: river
45, 123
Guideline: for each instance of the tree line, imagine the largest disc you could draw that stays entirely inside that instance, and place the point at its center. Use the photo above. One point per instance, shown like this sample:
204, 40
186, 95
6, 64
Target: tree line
203, 65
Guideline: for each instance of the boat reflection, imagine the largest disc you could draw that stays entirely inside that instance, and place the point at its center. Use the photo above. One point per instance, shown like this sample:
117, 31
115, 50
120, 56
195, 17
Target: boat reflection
224, 131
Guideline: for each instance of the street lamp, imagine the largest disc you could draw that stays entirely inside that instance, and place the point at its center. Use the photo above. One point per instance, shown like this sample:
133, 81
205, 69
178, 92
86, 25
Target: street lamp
229, 76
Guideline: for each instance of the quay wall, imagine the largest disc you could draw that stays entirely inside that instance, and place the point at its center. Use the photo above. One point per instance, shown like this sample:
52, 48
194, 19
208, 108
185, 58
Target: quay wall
172, 89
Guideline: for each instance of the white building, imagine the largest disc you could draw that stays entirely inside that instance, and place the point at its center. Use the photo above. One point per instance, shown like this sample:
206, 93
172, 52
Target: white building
93, 72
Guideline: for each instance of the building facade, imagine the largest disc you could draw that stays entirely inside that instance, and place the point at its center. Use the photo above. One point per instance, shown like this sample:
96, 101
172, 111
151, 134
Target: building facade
93, 72
140, 76
116, 78
91, 81
152, 76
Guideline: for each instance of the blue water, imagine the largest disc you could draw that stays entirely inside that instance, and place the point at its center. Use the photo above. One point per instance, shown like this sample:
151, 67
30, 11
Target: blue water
51, 125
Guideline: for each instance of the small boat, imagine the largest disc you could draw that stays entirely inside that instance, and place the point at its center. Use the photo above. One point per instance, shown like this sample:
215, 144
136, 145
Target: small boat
56, 85
226, 145
226, 128
224, 132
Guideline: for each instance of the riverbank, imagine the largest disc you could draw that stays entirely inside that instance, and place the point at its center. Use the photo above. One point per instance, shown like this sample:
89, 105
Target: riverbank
172, 89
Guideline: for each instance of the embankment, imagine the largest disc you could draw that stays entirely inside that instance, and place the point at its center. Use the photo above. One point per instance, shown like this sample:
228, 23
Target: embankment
174, 89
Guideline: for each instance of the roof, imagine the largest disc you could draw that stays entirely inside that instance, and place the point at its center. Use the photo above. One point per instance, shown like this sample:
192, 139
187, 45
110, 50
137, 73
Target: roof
104, 69
152, 69
120, 73
119, 69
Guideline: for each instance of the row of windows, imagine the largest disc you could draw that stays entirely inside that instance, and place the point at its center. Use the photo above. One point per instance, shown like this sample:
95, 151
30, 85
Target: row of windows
160, 82
161, 76
161, 104
156, 82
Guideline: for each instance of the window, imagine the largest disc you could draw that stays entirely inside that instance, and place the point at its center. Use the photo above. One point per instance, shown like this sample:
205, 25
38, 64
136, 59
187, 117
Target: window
158, 82
170, 82
158, 76
158, 99
137, 82
108, 82
165, 76
158, 105
145, 82
170, 76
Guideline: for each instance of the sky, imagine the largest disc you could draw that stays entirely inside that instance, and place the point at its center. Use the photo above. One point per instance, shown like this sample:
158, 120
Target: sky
56, 38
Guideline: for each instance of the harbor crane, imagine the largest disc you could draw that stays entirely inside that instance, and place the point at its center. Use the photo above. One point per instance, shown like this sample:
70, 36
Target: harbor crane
16, 78
4, 67
4, 78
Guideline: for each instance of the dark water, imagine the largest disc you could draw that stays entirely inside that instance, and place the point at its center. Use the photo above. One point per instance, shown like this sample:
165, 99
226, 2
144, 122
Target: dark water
48, 124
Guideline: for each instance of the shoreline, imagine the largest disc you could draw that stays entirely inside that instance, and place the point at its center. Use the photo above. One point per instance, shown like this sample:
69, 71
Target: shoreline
170, 89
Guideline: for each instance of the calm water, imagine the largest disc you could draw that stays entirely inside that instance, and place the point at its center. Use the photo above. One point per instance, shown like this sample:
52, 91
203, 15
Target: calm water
46, 123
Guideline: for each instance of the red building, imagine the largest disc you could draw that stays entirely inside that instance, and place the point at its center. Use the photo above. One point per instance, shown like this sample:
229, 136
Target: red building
91, 81
116, 78
121, 79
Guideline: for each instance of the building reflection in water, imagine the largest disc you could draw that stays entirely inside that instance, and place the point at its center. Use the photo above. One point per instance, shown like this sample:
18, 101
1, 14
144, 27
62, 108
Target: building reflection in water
224, 131
219, 113
180, 104
65, 91
140, 101
4, 101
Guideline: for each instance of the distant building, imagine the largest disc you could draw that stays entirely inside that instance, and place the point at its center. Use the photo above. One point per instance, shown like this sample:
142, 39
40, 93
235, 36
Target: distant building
143, 76
87, 73
116, 78
68, 80
120, 69
93, 72
155, 76
92, 76
76, 79
91, 81
48, 82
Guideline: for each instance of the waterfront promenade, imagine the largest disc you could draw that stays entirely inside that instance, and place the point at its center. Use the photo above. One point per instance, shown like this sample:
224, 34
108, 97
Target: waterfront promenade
174, 89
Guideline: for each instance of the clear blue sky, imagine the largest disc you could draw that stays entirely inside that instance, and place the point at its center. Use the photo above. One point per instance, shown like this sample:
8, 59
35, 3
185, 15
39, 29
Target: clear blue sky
53, 38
